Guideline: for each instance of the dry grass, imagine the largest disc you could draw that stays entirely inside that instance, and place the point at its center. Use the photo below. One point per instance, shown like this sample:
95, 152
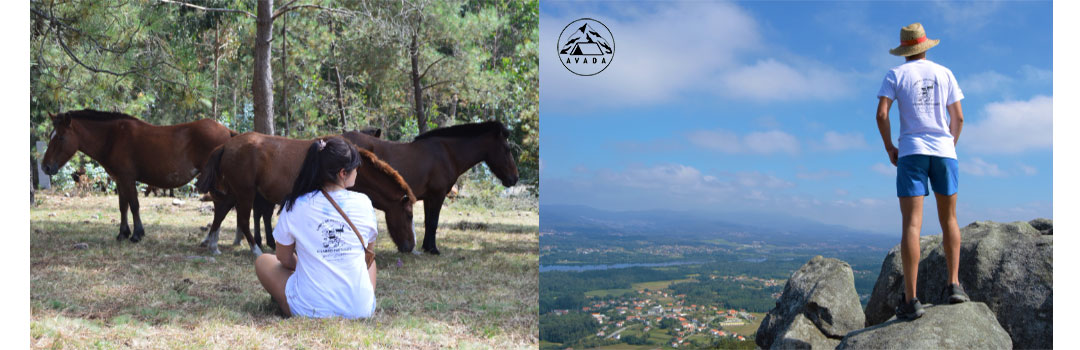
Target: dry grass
166, 292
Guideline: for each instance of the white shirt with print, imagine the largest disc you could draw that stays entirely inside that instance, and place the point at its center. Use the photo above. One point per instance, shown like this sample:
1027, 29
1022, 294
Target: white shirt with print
922, 90
331, 278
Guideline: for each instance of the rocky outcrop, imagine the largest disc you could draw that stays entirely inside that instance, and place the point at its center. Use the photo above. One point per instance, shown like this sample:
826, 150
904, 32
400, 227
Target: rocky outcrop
1009, 267
969, 325
818, 307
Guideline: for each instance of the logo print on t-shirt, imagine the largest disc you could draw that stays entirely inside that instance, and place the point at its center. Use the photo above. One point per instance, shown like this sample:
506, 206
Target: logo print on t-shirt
924, 96
331, 231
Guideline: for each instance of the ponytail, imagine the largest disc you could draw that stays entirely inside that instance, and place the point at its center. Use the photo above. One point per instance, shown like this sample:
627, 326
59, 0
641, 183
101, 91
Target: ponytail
324, 159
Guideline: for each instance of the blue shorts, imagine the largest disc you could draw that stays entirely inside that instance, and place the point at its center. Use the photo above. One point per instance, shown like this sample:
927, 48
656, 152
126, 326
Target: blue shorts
912, 172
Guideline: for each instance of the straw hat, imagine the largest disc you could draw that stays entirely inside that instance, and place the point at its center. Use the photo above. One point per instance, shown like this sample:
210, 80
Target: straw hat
913, 41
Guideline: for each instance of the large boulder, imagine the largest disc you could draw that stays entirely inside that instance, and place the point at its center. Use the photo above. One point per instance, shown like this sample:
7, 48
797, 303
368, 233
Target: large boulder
968, 325
1009, 267
818, 307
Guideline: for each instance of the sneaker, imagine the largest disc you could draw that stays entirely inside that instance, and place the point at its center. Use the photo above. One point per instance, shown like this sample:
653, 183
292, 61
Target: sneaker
956, 294
909, 310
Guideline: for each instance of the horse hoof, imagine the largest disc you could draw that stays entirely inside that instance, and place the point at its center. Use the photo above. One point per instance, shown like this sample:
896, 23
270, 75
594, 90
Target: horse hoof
215, 251
124, 234
432, 251
256, 251
204, 243
136, 239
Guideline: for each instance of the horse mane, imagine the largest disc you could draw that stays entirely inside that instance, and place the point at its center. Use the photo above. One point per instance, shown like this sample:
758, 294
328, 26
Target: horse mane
385, 168
95, 115
464, 130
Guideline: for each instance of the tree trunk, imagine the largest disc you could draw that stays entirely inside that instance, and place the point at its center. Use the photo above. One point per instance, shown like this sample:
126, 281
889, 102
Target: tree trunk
337, 73
418, 91
453, 110
262, 87
284, 75
217, 44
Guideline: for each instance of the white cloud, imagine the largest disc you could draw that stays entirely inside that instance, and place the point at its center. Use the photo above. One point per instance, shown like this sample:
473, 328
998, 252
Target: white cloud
985, 82
771, 142
979, 167
1027, 169
1034, 74
841, 192
716, 140
1010, 127
766, 142
835, 141
884, 169
770, 80
821, 175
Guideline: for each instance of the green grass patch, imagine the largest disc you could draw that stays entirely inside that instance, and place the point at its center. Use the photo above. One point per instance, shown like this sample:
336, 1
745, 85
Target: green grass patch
167, 292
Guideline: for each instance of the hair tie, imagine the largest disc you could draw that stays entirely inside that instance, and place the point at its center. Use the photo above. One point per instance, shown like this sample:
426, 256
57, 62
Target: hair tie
322, 144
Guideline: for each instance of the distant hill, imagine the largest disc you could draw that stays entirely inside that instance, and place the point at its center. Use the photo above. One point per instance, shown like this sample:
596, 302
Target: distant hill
740, 227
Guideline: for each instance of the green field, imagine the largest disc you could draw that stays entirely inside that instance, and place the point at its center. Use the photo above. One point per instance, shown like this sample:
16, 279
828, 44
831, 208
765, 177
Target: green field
167, 292
654, 285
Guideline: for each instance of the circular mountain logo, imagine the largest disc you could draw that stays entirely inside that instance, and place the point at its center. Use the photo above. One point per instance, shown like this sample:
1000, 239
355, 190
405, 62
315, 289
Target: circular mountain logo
586, 47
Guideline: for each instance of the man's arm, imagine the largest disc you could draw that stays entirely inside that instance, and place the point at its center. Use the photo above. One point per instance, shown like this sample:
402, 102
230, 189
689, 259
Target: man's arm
884, 104
956, 115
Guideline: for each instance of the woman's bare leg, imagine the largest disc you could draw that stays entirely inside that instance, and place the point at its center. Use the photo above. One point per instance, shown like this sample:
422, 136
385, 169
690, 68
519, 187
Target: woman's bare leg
273, 276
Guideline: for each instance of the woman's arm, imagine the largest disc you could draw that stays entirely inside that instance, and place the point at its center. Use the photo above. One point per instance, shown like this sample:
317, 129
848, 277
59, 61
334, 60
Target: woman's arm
371, 270
286, 254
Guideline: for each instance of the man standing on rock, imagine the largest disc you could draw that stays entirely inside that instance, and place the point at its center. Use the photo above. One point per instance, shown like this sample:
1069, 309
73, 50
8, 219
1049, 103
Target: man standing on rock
928, 98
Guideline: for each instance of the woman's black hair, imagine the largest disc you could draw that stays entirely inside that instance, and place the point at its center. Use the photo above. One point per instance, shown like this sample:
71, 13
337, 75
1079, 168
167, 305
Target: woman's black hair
325, 158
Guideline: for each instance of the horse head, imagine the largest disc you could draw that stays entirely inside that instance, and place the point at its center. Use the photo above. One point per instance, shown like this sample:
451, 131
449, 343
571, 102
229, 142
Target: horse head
62, 144
500, 158
388, 192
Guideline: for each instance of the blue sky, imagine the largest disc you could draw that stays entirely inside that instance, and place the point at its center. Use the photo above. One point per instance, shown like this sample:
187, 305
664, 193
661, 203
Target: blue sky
769, 106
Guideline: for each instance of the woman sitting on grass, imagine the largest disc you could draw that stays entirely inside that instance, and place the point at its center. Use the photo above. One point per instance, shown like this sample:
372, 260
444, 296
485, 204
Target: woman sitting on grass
319, 268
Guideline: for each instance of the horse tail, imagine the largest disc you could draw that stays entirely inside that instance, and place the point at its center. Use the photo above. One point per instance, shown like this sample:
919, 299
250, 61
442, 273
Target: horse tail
208, 177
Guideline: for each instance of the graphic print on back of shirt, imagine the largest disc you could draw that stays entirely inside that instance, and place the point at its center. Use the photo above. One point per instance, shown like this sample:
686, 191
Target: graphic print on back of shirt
333, 247
925, 97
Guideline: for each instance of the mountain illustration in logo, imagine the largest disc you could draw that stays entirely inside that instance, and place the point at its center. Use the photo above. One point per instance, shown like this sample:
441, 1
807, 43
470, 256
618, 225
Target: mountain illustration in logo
586, 41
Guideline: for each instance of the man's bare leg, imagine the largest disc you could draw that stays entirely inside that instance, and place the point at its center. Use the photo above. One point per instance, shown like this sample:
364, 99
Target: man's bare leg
946, 206
911, 208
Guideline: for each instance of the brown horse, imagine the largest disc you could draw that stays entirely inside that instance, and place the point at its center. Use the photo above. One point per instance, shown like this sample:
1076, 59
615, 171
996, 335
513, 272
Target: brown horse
132, 150
434, 160
264, 210
253, 164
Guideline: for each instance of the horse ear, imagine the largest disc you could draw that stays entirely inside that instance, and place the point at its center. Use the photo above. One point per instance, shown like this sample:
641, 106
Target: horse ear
378, 133
52, 117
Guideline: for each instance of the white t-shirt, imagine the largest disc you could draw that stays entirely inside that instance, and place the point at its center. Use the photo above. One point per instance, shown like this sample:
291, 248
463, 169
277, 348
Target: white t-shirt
922, 90
331, 278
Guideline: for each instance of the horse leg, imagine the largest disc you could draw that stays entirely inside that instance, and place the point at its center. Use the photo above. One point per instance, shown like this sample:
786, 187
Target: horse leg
125, 232
432, 206
221, 209
265, 210
132, 194
258, 214
243, 215
267, 218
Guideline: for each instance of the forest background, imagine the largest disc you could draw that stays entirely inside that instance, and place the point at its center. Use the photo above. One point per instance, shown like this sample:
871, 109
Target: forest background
321, 66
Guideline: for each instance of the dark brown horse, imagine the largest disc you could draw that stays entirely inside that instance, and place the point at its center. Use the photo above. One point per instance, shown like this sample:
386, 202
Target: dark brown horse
132, 150
263, 210
253, 164
432, 163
